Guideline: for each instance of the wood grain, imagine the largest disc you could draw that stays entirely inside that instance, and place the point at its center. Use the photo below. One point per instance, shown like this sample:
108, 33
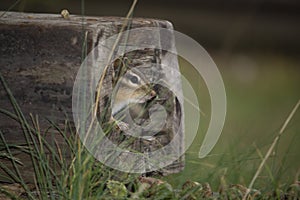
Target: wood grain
40, 55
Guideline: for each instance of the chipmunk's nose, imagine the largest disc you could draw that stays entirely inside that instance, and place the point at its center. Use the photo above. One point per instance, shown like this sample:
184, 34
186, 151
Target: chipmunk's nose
152, 93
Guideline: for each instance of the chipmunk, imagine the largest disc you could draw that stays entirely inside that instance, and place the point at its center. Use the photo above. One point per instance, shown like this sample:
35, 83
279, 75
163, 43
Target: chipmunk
132, 88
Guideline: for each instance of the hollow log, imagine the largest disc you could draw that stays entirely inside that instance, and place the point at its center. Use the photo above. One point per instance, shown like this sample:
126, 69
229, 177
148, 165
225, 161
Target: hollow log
40, 55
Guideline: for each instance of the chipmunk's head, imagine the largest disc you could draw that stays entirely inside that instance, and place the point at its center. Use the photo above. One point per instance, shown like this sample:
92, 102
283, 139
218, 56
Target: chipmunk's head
133, 87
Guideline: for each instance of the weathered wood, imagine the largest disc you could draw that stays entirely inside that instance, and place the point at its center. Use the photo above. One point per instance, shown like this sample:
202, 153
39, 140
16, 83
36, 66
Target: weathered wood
40, 55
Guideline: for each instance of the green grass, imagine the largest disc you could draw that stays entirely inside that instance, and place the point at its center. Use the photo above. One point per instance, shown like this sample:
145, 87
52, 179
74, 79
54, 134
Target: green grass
254, 118
257, 108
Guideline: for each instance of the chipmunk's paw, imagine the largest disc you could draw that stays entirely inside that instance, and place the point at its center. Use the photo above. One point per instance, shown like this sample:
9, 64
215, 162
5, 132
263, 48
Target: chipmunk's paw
119, 124
122, 126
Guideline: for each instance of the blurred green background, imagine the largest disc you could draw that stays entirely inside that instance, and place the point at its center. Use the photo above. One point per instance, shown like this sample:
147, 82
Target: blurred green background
255, 45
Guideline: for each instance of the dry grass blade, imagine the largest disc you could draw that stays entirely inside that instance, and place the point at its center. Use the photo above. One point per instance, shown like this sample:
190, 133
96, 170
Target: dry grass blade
271, 149
100, 83
112, 51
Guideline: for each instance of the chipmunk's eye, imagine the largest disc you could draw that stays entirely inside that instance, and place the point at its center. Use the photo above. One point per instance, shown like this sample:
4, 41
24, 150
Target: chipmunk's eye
134, 79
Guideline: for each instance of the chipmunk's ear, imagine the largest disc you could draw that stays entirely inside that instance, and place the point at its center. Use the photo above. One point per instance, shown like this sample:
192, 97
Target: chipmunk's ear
117, 64
120, 67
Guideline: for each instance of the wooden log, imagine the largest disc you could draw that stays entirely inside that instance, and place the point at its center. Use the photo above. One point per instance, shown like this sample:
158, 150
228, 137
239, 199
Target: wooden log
40, 55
